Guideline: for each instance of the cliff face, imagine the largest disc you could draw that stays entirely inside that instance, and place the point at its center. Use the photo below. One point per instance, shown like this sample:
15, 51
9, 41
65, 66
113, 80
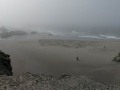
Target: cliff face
5, 64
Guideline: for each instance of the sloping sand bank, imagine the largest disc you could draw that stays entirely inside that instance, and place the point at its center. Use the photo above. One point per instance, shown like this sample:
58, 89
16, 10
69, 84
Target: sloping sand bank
27, 81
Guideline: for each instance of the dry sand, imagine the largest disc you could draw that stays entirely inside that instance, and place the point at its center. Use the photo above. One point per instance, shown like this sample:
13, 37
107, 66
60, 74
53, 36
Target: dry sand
56, 57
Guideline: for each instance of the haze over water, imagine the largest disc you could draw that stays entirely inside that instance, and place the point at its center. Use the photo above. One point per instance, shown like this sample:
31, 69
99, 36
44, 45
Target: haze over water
42, 36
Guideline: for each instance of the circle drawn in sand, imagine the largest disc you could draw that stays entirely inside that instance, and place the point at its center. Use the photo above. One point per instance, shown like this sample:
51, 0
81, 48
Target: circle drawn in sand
102, 50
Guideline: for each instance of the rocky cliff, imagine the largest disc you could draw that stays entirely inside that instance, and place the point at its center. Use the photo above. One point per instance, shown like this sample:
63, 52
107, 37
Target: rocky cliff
5, 64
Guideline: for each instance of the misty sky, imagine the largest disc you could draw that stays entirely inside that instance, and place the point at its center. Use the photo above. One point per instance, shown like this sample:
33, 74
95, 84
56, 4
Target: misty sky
60, 12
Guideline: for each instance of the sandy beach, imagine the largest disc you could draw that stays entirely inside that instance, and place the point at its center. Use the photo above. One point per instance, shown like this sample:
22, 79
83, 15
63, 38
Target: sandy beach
55, 57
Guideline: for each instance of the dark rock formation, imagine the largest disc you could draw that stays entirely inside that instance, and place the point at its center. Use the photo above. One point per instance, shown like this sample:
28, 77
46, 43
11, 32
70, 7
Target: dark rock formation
34, 32
5, 64
65, 76
12, 33
117, 58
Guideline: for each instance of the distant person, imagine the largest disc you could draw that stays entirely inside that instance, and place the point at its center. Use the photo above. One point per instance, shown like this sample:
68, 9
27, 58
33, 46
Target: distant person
77, 58
104, 47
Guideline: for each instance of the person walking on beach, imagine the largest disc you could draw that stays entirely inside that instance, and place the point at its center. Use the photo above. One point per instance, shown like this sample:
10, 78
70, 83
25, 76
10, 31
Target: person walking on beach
104, 47
77, 58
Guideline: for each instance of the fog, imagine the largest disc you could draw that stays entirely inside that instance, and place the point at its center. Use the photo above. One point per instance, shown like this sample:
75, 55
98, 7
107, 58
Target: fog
78, 37
86, 13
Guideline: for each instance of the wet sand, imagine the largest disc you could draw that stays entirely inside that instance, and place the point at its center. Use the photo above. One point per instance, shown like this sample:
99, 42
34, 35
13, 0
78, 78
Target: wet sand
53, 58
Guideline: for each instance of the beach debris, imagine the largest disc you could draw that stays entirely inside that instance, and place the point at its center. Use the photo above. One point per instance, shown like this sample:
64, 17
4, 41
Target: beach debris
117, 58
65, 76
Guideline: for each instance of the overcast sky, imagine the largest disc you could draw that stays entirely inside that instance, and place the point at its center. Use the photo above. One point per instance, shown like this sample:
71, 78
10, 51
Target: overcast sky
60, 12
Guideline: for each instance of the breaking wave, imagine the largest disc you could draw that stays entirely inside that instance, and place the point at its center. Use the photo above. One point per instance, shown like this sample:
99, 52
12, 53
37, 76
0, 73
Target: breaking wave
100, 36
